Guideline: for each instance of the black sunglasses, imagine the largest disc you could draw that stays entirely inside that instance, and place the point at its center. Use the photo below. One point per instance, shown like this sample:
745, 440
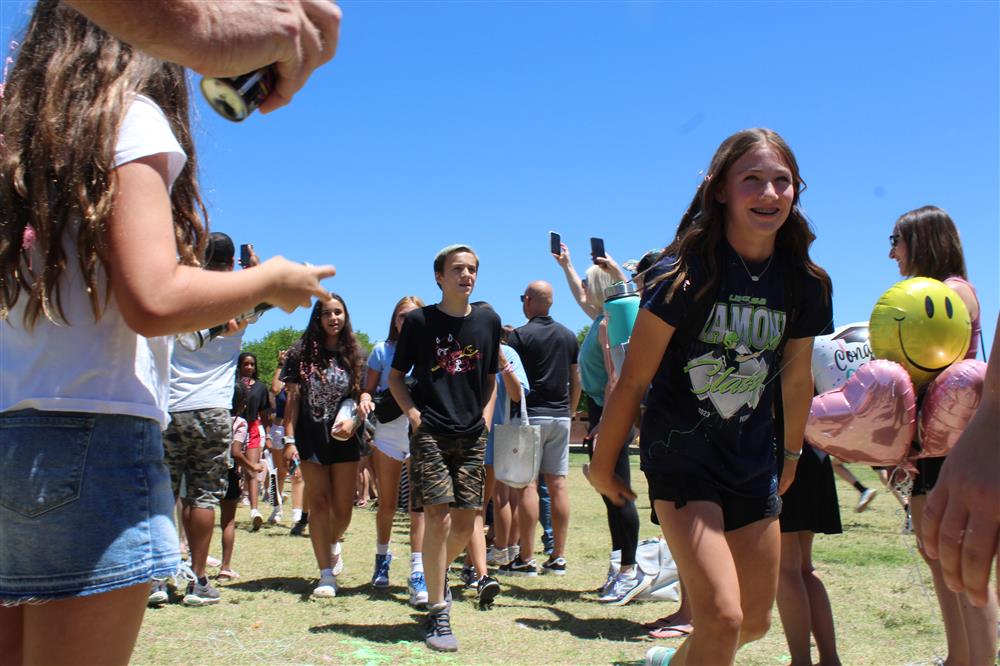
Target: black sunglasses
523, 296
894, 240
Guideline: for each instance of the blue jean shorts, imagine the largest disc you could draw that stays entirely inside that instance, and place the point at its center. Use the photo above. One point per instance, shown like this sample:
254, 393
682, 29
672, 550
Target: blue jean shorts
85, 505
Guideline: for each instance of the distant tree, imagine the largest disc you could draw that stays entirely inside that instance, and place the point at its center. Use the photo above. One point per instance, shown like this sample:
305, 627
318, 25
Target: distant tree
582, 333
267, 350
268, 347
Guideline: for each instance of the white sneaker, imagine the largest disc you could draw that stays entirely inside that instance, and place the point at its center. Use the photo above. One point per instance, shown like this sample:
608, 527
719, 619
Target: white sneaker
275, 516
626, 588
865, 499
257, 519
497, 557
326, 589
336, 560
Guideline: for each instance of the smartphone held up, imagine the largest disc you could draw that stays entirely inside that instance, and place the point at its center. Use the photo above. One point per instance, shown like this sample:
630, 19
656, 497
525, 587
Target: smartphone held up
597, 249
555, 243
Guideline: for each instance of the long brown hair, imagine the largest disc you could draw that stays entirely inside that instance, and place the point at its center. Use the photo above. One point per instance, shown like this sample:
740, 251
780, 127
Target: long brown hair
60, 116
404, 301
933, 247
702, 227
310, 347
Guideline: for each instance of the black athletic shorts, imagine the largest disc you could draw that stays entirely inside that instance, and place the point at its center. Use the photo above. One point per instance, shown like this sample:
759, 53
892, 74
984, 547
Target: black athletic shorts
737, 510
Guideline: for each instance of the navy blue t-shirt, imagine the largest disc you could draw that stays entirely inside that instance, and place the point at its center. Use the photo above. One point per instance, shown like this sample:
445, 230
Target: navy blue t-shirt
452, 359
709, 411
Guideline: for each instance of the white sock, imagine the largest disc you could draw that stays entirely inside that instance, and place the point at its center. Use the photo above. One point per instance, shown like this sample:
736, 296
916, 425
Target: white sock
513, 552
381, 549
296, 515
326, 573
335, 550
417, 563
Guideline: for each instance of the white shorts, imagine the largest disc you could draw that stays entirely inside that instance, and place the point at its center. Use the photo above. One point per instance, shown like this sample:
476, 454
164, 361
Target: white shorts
555, 443
277, 437
393, 438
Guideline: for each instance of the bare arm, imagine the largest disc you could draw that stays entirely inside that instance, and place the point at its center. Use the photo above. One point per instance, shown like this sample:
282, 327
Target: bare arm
401, 394
650, 338
291, 416
609, 365
796, 398
510, 381
575, 283
228, 38
575, 388
156, 295
491, 401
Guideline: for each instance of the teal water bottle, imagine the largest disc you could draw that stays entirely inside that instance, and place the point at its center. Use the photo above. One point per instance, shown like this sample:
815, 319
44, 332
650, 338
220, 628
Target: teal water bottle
621, 304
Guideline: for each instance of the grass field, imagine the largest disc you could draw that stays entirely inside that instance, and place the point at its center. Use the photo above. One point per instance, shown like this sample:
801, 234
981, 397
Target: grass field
881, 596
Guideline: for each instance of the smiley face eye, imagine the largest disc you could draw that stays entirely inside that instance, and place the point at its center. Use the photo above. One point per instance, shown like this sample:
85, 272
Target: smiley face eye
929, 307
947, 307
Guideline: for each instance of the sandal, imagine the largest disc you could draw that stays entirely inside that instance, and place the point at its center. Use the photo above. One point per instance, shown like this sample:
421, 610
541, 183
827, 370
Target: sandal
659, 623
227, 575
672, 631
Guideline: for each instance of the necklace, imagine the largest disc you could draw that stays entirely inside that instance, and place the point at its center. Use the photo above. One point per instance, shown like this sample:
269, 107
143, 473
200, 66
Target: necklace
755, 278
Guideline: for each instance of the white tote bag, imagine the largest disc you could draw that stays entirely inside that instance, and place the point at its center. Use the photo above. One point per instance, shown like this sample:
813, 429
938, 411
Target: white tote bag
517, 449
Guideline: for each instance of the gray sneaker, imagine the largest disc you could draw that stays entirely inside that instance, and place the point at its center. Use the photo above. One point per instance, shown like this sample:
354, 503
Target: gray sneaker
158, 593
437, 632
201, 595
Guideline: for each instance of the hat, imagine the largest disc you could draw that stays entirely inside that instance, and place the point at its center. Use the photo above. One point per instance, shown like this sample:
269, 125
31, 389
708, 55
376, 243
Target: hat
219, 251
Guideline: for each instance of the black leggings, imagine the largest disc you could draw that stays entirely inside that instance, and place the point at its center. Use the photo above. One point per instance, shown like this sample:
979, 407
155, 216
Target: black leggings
623, 521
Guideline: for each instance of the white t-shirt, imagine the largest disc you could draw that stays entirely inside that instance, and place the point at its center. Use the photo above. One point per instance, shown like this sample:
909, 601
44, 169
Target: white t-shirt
204, 379
104, 366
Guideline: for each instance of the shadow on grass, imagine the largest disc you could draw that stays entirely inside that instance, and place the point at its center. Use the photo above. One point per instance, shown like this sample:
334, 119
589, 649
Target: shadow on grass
376, 633
588, 629
543, 595
302, 587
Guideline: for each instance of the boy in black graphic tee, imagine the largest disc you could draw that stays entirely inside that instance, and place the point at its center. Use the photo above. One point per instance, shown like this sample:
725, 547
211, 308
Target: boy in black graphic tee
736, 310
452, 349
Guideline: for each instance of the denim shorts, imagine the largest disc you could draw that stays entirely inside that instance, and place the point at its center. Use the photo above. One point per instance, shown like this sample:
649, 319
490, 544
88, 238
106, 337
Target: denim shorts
85, 505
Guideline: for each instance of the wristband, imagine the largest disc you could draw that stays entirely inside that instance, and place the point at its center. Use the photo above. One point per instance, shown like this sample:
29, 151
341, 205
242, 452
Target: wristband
289, 440
793, 455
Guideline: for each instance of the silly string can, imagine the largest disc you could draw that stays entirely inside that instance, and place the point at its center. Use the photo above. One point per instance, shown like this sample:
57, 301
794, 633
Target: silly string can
236, 98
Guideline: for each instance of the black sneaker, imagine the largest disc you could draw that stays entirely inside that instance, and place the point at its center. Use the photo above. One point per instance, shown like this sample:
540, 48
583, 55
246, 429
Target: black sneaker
468, 577
299, 527
556, 566
486, 591
437, 631
521, 568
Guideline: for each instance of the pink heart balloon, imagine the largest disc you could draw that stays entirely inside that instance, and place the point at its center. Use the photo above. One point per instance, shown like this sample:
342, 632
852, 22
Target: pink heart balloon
951, 400
871, 419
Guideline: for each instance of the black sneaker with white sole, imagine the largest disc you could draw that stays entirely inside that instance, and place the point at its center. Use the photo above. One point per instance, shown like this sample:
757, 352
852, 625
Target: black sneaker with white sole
487, 590
521, 568
556, 566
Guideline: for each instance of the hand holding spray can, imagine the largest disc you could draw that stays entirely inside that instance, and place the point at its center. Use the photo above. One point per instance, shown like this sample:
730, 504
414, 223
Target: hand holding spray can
236, 98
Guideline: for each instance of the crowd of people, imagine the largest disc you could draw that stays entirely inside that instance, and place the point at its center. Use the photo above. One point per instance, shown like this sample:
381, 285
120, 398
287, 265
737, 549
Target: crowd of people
107, 424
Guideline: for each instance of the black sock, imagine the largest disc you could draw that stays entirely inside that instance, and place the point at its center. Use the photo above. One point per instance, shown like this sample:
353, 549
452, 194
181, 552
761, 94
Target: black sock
860, 487
203, 580
305, 518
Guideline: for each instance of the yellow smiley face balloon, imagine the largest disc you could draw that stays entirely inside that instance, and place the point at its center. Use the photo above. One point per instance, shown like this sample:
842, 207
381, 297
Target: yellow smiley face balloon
923, 325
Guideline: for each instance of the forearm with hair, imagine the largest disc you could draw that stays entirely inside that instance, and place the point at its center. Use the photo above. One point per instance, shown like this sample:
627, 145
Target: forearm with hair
174, 30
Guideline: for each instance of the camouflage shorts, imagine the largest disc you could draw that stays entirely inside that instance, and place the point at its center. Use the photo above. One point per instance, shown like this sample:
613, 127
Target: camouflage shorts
447, 469
196, 451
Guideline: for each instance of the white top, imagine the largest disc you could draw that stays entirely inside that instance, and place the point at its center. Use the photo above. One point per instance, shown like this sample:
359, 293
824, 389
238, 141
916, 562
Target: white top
102, 367
204, 379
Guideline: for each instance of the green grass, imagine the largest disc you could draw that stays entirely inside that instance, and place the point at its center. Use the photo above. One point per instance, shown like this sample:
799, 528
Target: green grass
881, 596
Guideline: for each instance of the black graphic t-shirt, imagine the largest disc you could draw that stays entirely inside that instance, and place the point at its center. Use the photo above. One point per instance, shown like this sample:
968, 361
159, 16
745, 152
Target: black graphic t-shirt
320, 394
547, 350
452, 359
709, 407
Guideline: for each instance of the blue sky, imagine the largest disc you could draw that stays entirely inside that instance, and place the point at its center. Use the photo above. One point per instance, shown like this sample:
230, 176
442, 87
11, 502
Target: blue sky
491, 123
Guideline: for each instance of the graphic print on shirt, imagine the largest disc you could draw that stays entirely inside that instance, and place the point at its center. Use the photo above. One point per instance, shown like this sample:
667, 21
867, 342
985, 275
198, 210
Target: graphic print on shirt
732, 377
452, 357
327, 387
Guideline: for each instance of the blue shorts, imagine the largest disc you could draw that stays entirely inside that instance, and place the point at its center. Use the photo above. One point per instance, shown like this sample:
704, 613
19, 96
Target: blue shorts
85, 505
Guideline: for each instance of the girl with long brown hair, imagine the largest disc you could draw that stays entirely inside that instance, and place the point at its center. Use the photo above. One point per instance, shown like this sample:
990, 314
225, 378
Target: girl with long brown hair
322, 371
738, 309
98, 201
925, 243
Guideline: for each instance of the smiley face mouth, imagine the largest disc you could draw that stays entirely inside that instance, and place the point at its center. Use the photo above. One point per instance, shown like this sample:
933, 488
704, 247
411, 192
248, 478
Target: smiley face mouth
899, 334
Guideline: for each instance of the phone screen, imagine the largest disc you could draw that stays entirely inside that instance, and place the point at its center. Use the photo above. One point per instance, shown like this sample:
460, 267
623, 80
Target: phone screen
597, 247
245, 254
555, 243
